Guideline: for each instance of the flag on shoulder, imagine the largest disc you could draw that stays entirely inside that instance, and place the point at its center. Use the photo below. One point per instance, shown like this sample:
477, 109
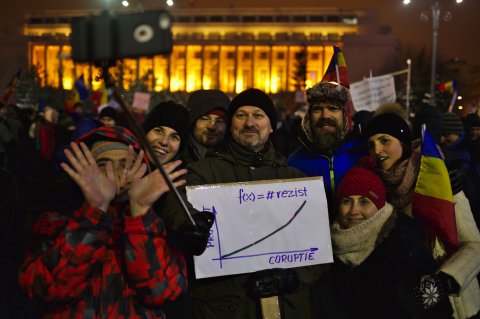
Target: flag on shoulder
432, 201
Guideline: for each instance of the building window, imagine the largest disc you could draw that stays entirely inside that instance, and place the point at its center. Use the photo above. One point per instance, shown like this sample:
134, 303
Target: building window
281, 56
198, 55
183, 19
263, 55
317, 18
282, 18
199, 19
216, 19
335, 19
314, 56
247, 55
248, 19
231, 55
299, 18
232, 18
214, 55
265, 19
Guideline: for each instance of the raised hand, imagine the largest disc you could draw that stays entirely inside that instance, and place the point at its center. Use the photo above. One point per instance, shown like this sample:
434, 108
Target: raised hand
98, 188
145, 190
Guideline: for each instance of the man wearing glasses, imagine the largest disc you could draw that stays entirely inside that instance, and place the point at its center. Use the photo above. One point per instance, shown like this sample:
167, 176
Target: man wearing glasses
208, 121
326, 147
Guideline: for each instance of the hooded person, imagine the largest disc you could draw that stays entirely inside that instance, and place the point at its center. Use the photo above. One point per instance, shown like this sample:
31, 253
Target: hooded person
207, 111
166, 127
327, 148
87, 261
379, 258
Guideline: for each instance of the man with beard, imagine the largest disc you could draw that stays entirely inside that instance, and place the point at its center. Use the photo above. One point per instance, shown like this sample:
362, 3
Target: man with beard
326, 147
247, 155
207, 111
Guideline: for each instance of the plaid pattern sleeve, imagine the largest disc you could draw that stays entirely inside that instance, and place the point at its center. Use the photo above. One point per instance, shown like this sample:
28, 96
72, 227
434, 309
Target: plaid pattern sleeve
154, 270
62, 253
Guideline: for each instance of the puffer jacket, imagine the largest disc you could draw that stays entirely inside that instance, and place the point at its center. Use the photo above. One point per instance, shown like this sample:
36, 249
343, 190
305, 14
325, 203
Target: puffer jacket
332, 165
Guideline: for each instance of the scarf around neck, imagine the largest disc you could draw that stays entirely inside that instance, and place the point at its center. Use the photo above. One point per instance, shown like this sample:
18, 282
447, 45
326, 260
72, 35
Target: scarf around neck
400, 181
353, 245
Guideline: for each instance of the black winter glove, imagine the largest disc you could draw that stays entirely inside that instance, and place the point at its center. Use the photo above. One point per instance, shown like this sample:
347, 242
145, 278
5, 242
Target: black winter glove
272, 282
196, 237
432, 289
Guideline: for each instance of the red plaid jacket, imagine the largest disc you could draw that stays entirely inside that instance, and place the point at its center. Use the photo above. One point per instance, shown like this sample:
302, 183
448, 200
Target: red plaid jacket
102, 265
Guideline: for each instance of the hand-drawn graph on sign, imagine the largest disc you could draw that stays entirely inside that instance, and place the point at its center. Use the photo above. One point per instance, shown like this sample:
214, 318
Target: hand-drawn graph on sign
263, 224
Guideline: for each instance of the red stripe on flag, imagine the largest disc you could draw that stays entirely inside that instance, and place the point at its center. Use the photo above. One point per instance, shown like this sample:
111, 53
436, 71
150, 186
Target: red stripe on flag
431, 211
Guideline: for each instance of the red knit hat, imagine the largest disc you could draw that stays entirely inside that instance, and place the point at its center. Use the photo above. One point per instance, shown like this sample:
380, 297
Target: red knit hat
364, 182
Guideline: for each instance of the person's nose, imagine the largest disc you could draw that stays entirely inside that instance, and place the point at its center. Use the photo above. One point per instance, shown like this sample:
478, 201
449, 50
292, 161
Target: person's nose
378, 149
325, 113
250, 121
354, 209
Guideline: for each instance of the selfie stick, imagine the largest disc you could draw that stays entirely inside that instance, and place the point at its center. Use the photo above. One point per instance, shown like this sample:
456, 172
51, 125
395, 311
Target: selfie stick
147, 146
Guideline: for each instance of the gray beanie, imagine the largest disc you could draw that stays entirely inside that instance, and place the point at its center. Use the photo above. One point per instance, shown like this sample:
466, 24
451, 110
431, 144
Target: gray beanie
452, 124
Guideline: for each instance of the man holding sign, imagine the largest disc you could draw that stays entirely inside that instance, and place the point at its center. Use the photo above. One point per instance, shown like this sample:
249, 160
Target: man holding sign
248, 155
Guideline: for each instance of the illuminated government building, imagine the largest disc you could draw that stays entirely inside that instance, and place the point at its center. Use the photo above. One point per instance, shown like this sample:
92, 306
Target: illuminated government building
226, 49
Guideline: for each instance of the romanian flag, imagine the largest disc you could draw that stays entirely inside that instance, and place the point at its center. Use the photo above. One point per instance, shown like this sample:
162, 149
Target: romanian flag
337, 69
100, 97
81, 88
432, 201
11, 87
450, 87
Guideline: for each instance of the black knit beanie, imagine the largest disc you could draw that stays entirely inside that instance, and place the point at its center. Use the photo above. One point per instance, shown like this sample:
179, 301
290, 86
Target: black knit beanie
109, 112
391, 124
168, 114
254, 97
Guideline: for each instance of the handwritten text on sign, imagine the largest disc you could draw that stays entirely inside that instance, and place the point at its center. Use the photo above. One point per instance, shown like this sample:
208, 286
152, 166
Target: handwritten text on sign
370, 93
263, 224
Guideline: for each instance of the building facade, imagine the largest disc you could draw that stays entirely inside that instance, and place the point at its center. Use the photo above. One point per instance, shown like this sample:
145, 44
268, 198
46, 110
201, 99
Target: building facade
271, 49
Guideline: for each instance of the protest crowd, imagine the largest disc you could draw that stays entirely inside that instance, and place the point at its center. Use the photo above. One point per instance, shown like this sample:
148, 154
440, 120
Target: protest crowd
91, 228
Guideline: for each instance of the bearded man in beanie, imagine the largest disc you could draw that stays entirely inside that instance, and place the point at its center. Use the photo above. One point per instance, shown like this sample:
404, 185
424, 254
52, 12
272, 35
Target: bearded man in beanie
207, 110
326, 147
109, 258
246, 155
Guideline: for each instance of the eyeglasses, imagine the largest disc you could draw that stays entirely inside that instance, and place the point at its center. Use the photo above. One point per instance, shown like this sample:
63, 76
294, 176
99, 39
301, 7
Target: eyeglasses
330, 108
206, 120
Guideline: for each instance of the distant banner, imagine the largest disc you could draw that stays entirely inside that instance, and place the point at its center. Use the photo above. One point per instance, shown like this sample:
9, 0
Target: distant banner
263, 224
370, 93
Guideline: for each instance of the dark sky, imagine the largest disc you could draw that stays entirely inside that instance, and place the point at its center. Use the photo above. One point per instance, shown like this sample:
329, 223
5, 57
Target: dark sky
457, 38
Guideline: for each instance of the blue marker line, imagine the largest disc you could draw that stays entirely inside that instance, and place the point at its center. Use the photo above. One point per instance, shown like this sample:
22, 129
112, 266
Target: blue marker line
214, 211
272, 253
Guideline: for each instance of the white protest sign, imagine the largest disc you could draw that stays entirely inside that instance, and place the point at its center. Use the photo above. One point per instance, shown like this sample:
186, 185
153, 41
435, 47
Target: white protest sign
141, 101
370, 93
262, 225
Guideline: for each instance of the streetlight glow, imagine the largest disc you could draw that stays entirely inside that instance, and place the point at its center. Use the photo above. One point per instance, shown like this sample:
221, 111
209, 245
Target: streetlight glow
125, 3
435, 14
170, 3
459, 97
